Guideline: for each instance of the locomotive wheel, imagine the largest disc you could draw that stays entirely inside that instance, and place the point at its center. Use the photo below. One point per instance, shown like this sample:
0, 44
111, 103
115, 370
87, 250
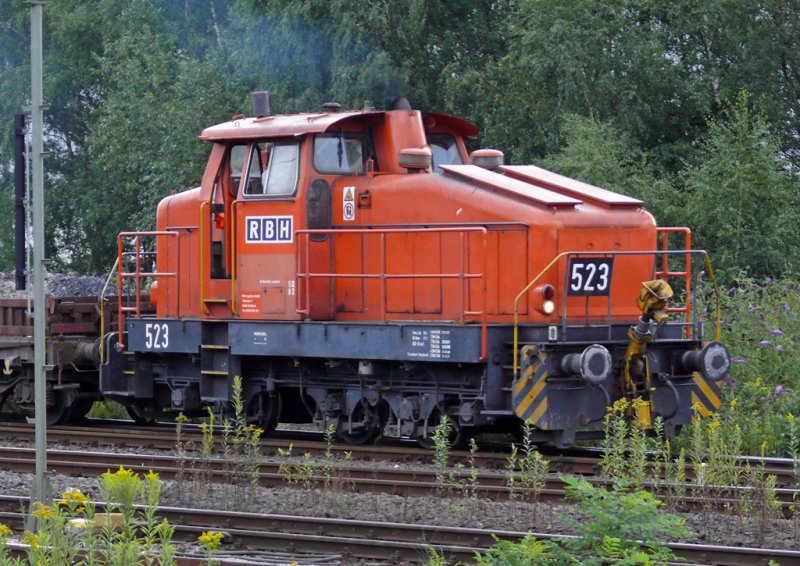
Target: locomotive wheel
265, 409
59, 412
367, 425
457, 438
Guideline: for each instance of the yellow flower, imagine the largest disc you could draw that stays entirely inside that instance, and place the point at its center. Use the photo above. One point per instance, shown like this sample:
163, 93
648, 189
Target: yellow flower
181, 418
733, 404
151, 476
75, 495
210, 540
758, 382
123, 473
43, 512
5, 531
74, 499
30, 538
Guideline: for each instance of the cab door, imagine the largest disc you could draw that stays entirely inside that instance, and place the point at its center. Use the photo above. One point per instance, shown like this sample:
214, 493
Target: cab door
265, 219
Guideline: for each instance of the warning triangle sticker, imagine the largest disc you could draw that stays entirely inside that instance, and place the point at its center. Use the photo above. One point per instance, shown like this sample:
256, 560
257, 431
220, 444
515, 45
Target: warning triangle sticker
348, 194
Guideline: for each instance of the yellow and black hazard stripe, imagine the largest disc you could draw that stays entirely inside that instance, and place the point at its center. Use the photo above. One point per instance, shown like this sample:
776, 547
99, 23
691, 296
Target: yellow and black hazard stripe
706, 395
530, 387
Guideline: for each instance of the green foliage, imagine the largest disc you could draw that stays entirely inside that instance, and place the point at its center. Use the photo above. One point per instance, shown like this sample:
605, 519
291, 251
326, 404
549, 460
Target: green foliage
108, 410
761, 329
619, 526
601, 154
441, 452
72, 531
640, 97
616, 520
740, 200
527, 551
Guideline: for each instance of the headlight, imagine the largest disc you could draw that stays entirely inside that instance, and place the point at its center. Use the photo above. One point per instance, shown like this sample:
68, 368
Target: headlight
544, 295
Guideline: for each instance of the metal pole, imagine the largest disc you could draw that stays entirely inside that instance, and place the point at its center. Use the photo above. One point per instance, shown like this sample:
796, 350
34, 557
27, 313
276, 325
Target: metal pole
41, 491
19, 201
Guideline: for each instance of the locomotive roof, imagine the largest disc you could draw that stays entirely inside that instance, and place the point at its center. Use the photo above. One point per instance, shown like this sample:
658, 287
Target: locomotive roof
281, 125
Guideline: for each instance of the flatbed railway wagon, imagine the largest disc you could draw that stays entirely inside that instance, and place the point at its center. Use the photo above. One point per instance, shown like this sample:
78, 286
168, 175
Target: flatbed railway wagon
72, 327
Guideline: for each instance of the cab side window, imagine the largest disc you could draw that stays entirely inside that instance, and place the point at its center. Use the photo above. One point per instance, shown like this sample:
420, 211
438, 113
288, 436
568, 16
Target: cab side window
273, 169
238, 156
343, 154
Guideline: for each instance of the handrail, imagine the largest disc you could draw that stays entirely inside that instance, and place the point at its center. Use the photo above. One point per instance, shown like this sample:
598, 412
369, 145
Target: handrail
137, 274
232, 221
103, 310
202, 250
306, 275
613, 253
686, 273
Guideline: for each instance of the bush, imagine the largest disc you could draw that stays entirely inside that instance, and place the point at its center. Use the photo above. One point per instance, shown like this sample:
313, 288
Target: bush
761, 328
619, 527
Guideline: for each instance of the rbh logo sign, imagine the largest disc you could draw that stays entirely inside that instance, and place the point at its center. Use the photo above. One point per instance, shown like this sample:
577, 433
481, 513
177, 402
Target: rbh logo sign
269, 229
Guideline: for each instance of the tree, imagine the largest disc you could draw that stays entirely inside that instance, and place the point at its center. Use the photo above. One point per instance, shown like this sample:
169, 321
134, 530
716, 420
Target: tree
740, 198
600, 154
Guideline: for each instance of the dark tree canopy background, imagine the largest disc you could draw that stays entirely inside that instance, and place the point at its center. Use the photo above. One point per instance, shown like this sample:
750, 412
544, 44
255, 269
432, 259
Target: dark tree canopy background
693, 106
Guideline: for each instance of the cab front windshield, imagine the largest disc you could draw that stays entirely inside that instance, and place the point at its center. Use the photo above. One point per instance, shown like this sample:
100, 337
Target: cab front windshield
445, 151
341, 153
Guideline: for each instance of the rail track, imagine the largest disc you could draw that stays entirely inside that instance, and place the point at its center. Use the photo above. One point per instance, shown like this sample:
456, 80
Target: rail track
584, 462
352, 540
324, 536
395, 481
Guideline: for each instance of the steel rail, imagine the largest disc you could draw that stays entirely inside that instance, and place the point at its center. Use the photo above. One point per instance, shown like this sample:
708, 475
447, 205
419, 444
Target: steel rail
575, 461
377, 540
405, 482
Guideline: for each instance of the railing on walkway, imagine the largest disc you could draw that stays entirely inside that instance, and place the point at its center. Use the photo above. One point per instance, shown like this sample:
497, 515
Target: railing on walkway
686, 274
595, 254
131, 254
305, 275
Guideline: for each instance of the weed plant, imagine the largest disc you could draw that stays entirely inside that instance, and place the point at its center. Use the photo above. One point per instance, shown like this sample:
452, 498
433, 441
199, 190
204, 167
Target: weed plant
620, 526
441, 454
533, 469
614, 445
240, 444
127, 531
511, 473
206, 471
470, 482
335, 482
764, 500
5, 556
181, 450
210, 542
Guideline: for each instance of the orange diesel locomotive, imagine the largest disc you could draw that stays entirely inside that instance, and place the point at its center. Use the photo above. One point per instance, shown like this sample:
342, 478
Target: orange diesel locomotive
360, 268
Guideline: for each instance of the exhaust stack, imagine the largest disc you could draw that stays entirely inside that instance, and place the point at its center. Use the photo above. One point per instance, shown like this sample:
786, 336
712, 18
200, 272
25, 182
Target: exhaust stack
260, 100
